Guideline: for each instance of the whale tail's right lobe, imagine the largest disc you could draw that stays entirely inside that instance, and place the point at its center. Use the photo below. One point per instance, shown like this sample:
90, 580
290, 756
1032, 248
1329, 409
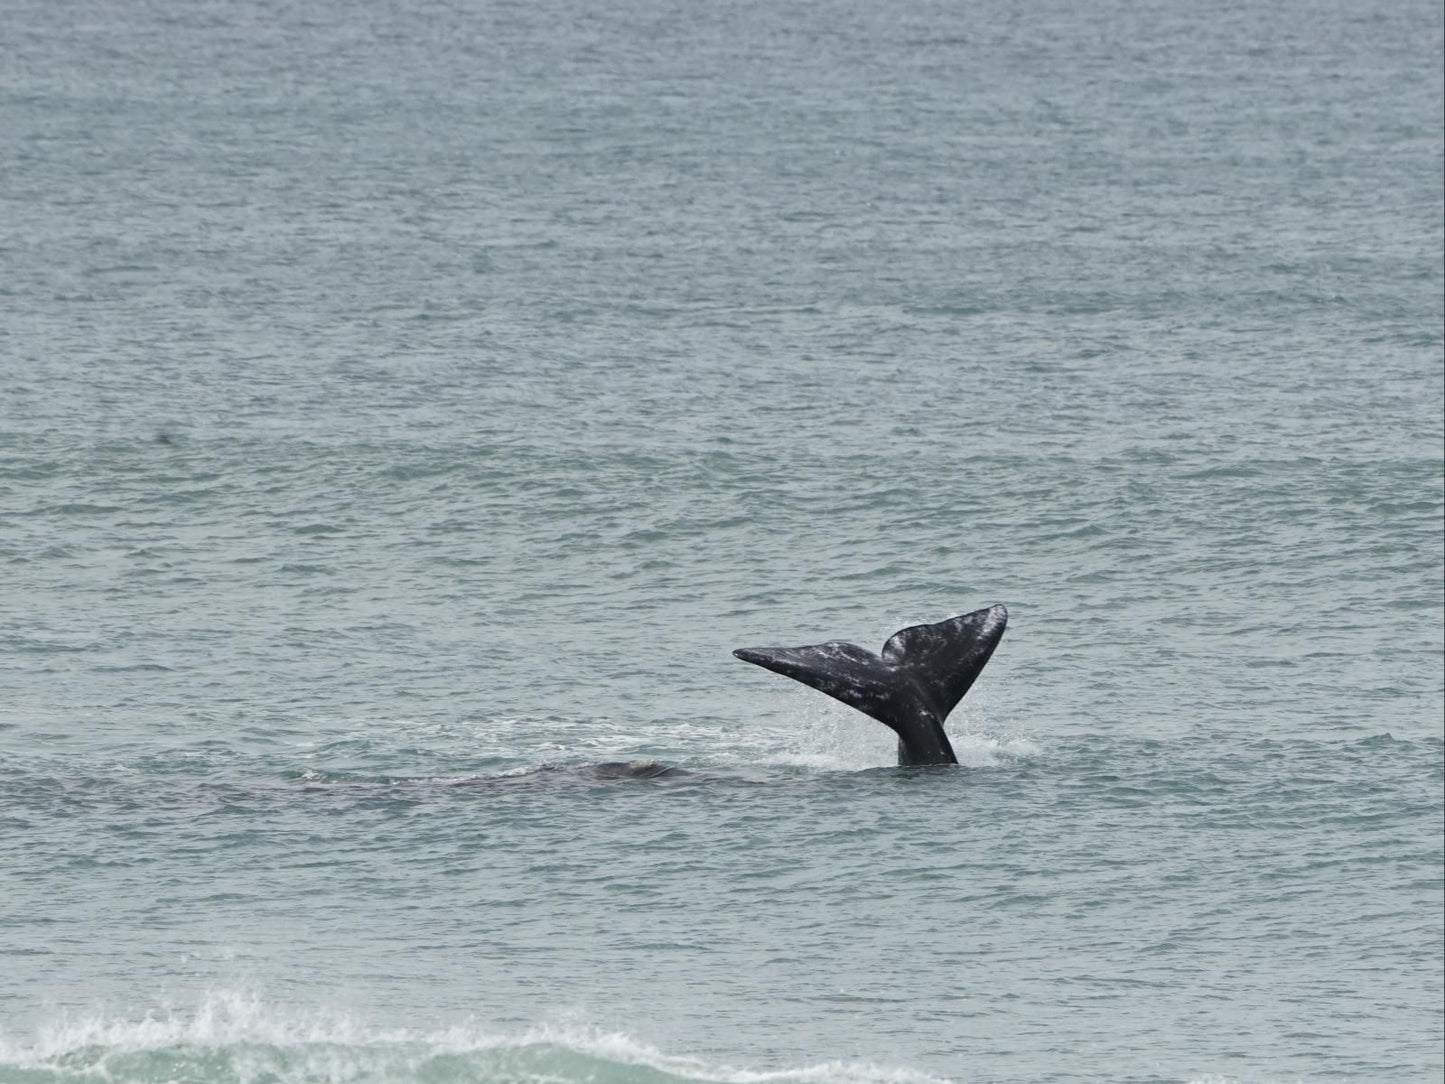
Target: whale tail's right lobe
945, 659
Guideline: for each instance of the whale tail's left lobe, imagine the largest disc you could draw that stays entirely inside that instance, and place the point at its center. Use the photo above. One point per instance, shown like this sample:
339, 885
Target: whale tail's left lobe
844, 671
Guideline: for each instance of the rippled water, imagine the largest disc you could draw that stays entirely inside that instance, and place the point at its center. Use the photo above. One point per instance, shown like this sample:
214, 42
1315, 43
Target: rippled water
407, 409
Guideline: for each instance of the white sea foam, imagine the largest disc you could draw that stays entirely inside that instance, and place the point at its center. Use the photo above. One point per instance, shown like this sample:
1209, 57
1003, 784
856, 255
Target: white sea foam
236, 1036
831, 737
988, 750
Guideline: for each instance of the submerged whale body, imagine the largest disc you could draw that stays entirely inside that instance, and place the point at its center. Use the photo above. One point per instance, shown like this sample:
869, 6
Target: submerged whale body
637, 769
911, 687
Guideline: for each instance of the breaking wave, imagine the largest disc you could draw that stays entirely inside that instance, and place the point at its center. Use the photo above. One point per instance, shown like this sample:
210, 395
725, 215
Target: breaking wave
237, 1039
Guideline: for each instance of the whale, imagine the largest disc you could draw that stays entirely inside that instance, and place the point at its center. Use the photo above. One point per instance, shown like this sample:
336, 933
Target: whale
910, 687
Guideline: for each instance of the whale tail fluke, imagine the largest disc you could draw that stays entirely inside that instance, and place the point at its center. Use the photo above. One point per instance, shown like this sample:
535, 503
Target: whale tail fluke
844, 671
946, 658
920, 677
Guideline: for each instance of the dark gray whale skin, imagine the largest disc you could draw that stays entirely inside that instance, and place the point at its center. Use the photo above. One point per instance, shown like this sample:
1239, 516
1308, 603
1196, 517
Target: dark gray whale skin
637, 769
919, 678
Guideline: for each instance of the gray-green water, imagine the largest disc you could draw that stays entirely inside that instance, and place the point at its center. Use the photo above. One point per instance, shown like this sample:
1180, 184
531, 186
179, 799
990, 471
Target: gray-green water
406, 408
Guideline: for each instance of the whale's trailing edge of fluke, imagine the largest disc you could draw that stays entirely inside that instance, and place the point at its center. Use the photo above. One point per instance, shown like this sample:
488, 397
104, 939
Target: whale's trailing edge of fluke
911, 687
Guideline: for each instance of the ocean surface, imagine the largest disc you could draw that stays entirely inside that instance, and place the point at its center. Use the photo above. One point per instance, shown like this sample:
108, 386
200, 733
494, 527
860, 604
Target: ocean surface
407, 407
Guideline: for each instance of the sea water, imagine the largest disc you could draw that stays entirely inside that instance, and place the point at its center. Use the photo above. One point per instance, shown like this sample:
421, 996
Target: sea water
407, 407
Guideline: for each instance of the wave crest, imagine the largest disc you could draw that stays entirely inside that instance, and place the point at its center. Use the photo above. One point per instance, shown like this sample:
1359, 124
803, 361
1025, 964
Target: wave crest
235, 1038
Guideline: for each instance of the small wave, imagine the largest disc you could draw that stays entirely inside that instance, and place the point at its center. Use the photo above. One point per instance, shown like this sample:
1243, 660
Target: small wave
235, 1037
